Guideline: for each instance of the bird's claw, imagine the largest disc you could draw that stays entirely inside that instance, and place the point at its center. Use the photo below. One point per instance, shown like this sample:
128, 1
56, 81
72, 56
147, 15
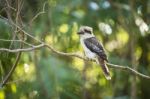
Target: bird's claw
89, 59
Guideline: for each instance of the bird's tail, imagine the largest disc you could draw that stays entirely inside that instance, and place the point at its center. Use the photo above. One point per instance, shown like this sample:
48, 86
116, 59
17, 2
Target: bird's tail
104, 68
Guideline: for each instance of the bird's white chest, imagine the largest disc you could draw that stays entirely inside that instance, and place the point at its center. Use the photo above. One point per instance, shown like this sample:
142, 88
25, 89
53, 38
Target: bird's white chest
88, 53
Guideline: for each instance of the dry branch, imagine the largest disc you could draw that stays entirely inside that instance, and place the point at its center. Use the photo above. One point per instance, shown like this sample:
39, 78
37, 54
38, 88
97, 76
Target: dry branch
4, 40
22, 50
126, 68
42, 12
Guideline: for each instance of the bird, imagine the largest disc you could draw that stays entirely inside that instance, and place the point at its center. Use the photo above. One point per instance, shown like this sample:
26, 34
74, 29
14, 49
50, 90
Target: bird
93, 49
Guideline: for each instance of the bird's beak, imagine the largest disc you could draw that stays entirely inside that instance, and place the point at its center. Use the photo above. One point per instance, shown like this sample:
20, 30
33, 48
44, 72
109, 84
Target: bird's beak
80, 32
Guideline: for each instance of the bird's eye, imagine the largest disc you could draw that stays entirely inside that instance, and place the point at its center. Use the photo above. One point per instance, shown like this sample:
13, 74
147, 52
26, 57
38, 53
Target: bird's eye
88, 31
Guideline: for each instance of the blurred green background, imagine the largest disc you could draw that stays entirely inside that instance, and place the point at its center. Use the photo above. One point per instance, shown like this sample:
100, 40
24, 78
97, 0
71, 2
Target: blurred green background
121, 25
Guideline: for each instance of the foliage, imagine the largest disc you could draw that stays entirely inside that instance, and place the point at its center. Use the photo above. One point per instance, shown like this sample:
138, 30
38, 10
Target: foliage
121, 25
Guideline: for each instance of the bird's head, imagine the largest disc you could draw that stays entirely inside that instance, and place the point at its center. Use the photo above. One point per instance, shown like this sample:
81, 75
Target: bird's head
85, 30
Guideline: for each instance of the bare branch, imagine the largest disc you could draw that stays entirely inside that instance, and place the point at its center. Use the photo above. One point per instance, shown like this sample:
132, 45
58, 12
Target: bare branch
126, 68
43, 11
11, 70
15, 81
12, 23
42, 44
26, 33
17, 21
65, 54
8, 5
22, 50
17, 41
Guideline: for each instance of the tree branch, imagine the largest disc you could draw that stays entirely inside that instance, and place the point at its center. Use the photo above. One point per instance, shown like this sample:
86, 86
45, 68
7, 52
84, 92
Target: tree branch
17, 21
22, 49
5, 40
11, 70
42, 44
42, 12
125, 68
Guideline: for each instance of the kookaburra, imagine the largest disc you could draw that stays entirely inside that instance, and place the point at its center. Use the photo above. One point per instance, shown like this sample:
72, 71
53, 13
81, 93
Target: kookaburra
93, 48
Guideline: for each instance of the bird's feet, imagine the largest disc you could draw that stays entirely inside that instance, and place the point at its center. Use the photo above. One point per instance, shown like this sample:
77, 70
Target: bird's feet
89, 59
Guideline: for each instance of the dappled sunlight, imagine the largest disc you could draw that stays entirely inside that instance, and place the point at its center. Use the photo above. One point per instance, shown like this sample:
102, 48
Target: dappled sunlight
75, 36
138, 52
110, 46
13, 88
87, 85
33, 94
92, 74
93, 5
63, 28
30, 75
19, 71
102, 81
64, 72
122, 38
105, 28
78, 13
2, 94
143, 27
49, 39
26, 68
105, 4
23, 97
25, 72
99, 36
78, 64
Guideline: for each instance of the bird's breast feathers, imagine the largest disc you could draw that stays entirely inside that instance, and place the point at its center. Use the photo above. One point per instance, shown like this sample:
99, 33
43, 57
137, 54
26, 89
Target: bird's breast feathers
88, 53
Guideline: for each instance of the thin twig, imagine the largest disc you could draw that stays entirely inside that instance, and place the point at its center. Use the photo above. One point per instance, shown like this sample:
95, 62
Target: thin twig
22, 50
8, 5
43, 11
11, 70
17, 41
12, 23
2, 71
26, 33
13, 67
127, 68
14, 81
18, 53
